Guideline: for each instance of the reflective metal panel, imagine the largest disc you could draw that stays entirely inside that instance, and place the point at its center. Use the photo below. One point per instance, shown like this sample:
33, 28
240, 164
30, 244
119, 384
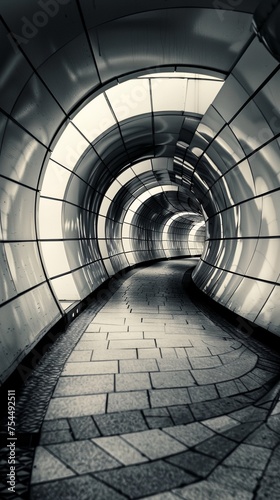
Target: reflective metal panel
230, 99
73, 65
268, 317
37, 111
24, 265
250, 128
7, 286
15, 70
248, 73
21, 155
17, 204
23, 323
250, 297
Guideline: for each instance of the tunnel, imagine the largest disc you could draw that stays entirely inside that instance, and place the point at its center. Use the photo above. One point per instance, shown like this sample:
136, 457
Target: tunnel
132, 134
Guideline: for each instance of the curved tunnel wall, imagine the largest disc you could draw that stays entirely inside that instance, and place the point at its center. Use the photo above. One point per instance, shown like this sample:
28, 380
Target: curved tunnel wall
240, 265
231, 166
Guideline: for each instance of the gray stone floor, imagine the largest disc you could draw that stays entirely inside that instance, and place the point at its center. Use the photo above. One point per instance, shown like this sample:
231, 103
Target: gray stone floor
157, 399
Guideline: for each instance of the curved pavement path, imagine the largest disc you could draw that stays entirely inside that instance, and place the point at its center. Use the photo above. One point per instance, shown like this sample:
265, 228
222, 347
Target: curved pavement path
160, 400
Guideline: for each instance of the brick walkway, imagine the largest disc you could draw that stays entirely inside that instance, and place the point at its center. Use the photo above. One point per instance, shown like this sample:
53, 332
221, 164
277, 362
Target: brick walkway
158, 400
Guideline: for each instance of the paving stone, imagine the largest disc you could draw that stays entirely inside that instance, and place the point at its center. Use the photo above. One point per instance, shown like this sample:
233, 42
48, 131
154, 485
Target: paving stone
149, 353
273, 465
83, 427
55, 425
236, 477
47, 467
205, 362
190, 434
169, 397
276, 410
181, 414
204, 393
86, 345
87, 384
249, 414
168, 352
264, 437
274, 422
269, 488
232, 370
78, 356
162, 496
83, 456
62, 436
240, 432
212, 490
220, 424
173, 364
249, 456
125, 336
227, 388
159, 422
250, 383
179, 378
195, 463
146, 328
96, 336
103, 327
124, 401
197, 352
173, 341
154, 443
217, 446
156, 412
109, 320
120, 423
181, 353
82, 488
137, 481
76, 406
215, 408
131, 344
120, 450
113, 354
152, 334
132, 381
90, 368
138, 366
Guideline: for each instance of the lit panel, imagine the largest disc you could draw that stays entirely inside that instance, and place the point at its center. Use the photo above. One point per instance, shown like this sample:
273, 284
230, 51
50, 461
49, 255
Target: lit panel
65, 288
55, 257
50, 212
94, 118
130, 98
55, 180
70, 146
169, 94
200, 94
